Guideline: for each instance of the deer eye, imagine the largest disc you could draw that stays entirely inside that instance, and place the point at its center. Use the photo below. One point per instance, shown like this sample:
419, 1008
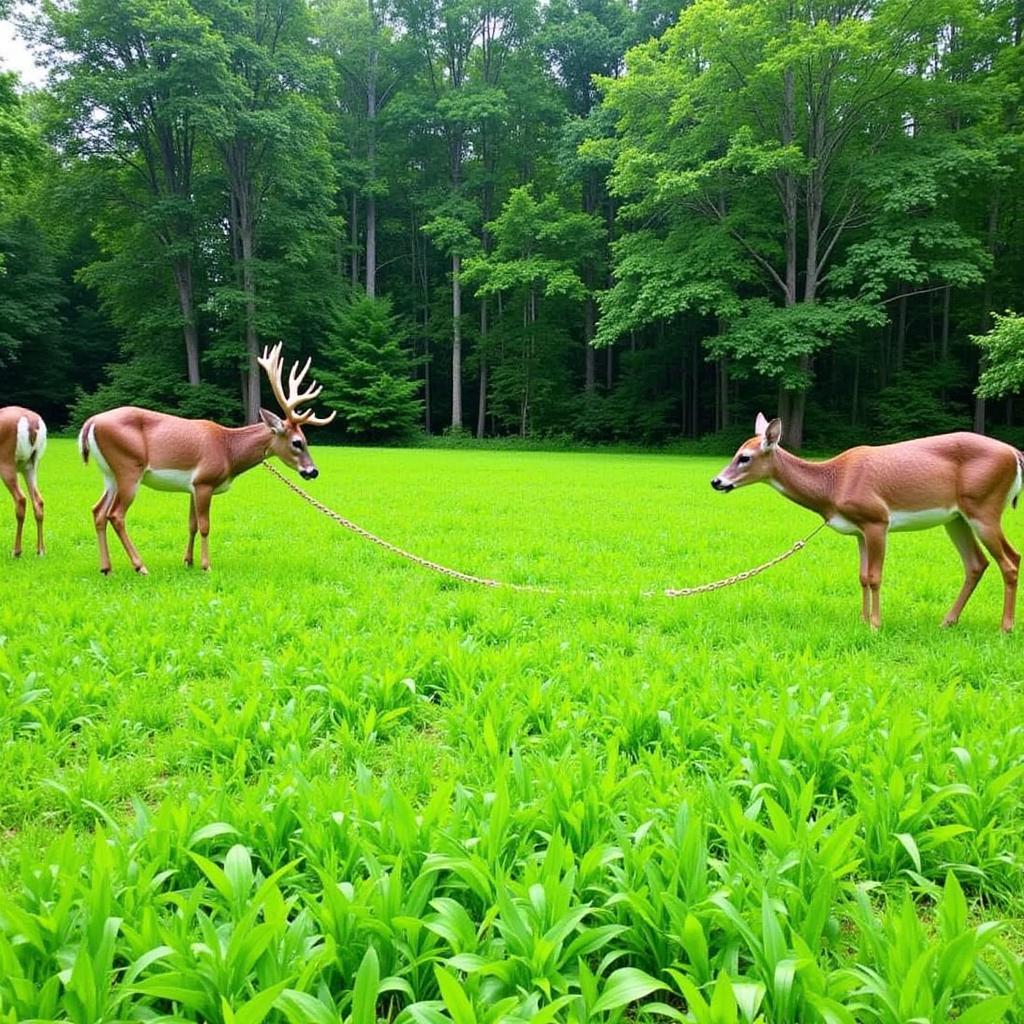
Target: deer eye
743, 459
297, 445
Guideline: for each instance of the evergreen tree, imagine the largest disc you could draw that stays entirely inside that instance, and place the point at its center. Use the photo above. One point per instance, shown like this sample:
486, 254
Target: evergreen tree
370, 380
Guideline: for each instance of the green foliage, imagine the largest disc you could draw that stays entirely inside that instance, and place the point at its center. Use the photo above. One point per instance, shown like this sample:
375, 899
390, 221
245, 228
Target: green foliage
370, 377
912, 405
155, 382
31, 295
1003, 347
539, 245
776, 205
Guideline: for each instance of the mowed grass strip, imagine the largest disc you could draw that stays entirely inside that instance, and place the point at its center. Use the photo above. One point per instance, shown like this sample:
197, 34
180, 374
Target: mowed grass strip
432, 801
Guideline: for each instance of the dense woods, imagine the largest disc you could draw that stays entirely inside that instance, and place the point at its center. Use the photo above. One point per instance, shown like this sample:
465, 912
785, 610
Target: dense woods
591, 220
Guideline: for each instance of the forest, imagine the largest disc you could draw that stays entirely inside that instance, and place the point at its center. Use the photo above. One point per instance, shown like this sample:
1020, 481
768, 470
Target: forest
585, 221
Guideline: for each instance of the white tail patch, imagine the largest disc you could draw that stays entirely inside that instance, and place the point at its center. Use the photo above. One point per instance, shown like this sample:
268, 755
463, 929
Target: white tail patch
25, 449
109, 480
22, 446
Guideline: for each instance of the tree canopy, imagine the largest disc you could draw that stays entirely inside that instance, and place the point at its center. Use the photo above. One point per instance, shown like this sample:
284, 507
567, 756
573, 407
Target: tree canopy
586, 218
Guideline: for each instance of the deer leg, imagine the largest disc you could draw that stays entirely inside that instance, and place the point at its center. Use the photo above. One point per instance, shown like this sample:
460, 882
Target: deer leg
975, 564
992, 536
116, 513
10, 478
865, 608
203, 497
99, 518
874, 551
193, 526
37, 504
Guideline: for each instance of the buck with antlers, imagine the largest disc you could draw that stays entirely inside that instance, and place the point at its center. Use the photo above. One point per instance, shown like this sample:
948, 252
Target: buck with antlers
135, 446
961, 481
22, 443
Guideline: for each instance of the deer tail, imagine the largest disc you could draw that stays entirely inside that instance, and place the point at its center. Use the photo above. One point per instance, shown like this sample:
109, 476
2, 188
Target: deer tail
83, 440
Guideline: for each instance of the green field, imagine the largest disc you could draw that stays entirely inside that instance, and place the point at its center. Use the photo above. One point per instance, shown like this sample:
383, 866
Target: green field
321, 784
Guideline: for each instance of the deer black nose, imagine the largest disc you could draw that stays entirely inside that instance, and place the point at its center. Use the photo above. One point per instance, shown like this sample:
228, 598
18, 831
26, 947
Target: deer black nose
720, 486
309, 474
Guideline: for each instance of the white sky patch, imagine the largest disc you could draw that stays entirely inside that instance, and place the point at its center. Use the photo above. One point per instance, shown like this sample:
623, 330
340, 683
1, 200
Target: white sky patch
15, 56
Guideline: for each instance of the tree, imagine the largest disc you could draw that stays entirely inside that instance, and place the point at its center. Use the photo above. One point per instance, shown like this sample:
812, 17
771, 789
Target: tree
766, 127
268, 129
370, 380
132, 84
584, 39
1004, 351
540, 247
363, 38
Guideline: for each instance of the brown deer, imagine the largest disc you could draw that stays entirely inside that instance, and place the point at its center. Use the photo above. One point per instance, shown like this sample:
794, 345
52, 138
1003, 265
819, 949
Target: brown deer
961, 481
22, 443
135, 446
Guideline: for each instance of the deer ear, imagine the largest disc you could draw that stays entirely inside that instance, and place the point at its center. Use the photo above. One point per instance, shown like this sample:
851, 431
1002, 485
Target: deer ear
760, 425
773, 433
272, 421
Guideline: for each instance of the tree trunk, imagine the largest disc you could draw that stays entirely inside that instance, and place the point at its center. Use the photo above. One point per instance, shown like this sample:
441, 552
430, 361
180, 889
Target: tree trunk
252, 413
243, 229
795, 428
792, 405
353, 240
371, 246
456, 343
371, 157
426, 376
590, 382
481, 409
789, 189
421, 268
183, 281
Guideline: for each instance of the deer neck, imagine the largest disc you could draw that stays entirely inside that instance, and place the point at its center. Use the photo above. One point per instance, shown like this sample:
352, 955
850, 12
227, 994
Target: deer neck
248, 446
809, 484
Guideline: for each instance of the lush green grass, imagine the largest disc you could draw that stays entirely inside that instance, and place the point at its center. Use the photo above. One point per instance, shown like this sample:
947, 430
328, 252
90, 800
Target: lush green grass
320, 771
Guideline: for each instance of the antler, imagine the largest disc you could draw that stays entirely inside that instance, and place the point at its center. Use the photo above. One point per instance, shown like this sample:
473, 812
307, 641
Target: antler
271, 362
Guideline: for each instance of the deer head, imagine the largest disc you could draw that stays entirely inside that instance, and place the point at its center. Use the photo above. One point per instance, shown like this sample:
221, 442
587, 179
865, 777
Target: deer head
753, 459
289, 441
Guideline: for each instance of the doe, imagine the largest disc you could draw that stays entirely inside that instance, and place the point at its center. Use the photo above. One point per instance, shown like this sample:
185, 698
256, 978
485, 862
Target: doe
22, 443
168, 453
961, 481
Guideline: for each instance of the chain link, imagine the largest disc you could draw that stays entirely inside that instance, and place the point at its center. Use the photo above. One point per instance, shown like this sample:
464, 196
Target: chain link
706, 588
483, 581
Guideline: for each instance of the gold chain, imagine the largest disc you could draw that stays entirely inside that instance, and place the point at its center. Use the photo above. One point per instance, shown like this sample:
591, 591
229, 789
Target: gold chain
483, 581
739, 577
